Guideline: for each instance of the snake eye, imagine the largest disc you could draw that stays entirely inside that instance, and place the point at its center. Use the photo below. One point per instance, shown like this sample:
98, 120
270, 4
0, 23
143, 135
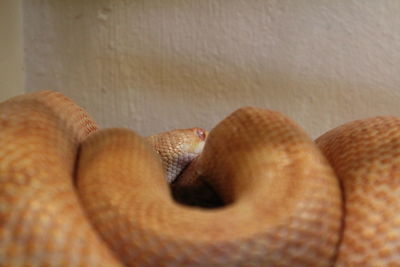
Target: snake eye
201, 133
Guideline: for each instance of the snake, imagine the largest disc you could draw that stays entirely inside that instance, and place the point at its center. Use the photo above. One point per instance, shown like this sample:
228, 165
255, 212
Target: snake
75, 194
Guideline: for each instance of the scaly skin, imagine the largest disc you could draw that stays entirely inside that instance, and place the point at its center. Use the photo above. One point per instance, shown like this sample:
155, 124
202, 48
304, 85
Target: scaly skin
178, 148
366, 156
283, 201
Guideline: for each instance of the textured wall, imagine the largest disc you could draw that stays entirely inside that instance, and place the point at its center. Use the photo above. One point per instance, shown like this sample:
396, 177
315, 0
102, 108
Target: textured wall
11, 54
155, 64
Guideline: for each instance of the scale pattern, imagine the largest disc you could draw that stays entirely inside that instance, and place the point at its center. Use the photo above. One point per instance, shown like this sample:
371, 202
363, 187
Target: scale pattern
288, 201
366, 157
41, 220
177, 149
293, 220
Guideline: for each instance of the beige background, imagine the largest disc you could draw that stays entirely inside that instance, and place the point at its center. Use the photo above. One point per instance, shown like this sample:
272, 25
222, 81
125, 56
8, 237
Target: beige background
11, 53
154, 65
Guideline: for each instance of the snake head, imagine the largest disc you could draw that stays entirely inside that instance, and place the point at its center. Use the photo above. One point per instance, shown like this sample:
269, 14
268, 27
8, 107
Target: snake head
194, 140
178, 148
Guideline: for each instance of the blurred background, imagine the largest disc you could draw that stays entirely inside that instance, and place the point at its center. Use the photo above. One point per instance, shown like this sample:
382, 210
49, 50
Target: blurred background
154, 65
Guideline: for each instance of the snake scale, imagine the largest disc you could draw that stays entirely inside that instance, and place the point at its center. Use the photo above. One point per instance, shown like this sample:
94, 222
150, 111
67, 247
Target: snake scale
72, 194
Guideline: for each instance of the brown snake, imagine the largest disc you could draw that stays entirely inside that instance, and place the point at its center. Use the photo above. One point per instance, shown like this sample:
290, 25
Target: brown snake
73, 195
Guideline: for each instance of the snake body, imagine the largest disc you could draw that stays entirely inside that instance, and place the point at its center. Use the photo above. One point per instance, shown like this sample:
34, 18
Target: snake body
74, 195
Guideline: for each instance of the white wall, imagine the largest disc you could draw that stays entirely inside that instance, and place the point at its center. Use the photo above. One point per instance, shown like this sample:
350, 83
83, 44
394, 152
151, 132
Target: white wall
11, 54
153, 65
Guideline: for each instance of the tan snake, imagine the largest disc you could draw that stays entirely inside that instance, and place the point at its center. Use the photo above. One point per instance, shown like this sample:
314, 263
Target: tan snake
73, 195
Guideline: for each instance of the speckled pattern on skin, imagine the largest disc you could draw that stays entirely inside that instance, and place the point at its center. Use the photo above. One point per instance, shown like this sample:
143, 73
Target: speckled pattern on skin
177, 149
283, 202
366, 157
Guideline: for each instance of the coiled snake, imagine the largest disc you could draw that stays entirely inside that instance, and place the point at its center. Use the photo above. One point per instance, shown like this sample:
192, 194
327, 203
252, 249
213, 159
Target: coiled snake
73, 195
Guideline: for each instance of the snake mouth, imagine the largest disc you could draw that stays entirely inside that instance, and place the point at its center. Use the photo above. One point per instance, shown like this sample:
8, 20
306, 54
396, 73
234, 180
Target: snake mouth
198, 148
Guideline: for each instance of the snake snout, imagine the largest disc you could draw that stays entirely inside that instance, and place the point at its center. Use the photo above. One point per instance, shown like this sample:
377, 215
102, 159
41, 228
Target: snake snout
195, 145
178, 148
201, 133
